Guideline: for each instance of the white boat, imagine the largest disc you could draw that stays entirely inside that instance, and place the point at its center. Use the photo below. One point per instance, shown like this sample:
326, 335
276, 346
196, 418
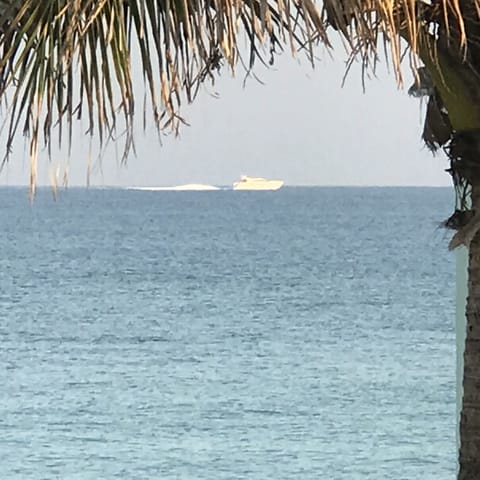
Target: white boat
196, 187
257, 183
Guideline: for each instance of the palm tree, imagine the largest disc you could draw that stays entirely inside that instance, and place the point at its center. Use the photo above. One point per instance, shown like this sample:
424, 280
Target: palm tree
61, 60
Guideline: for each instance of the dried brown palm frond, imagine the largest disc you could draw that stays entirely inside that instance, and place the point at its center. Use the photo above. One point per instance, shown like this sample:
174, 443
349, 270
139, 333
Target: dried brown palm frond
444, 36
65, 59
437, 130
61, 59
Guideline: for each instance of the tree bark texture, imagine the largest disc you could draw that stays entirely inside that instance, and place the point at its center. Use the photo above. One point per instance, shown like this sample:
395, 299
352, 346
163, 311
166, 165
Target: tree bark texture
469, 454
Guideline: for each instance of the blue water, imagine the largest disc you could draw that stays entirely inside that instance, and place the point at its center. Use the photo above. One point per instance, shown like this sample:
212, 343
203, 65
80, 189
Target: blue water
301, 334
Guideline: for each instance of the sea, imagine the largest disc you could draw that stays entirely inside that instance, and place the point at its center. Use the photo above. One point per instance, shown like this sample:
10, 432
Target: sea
306, 333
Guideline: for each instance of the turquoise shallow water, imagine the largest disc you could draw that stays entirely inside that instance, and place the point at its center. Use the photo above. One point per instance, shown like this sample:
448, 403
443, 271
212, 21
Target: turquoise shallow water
305, 333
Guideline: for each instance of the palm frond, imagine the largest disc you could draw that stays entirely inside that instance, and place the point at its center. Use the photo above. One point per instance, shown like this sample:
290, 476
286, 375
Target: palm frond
60, 59
67, 59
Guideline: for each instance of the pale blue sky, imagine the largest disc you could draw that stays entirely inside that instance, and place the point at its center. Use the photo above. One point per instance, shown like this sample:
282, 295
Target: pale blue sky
300, 126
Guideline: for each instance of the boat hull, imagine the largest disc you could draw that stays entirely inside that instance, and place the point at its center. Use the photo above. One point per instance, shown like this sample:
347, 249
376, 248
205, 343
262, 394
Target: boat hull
265, 185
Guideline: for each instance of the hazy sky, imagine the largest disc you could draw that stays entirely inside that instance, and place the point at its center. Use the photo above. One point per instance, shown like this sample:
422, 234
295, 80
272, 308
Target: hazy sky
300, 126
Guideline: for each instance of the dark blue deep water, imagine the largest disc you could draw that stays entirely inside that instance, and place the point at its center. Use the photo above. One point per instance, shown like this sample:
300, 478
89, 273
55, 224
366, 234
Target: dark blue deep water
301, 334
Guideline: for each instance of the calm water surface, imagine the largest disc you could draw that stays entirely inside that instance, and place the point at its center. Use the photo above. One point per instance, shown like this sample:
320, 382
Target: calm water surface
301, 334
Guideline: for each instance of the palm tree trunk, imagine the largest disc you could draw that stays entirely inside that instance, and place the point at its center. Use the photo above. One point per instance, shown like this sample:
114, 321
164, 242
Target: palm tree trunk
469, 455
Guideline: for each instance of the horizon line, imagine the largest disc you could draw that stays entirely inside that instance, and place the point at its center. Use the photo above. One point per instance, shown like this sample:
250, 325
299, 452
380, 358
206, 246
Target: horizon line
126, 187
